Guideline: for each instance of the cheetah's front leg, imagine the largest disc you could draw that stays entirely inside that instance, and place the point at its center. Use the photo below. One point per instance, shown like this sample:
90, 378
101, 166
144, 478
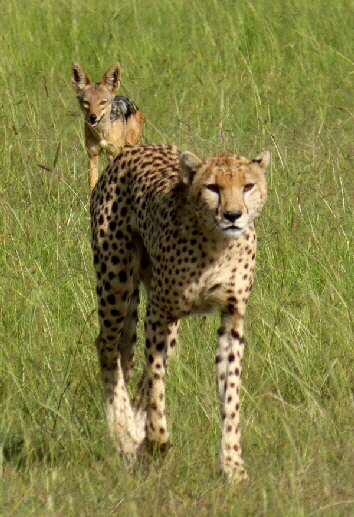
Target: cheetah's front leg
161, 337
229, 355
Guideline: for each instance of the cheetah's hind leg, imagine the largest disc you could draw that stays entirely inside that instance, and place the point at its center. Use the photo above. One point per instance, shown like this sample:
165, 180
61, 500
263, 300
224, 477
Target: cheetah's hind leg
126, 423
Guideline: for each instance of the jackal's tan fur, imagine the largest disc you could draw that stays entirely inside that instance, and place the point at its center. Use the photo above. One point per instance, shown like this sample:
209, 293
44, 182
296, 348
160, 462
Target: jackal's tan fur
110, 121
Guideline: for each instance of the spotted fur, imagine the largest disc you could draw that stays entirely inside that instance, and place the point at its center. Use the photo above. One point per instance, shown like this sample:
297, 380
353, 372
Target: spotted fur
184, 228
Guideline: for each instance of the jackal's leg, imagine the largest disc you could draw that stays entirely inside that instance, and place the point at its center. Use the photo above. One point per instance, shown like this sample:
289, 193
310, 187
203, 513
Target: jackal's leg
93, 171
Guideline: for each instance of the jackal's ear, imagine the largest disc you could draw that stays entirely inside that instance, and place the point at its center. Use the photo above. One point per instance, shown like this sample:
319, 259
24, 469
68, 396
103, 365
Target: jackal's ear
111, 79
189, 164
262, 159
79, 77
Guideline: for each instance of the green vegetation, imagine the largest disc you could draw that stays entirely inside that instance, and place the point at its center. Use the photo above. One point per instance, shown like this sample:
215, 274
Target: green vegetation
208, 75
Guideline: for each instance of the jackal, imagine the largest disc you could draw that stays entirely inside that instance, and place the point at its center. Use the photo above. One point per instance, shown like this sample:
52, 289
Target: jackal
111, 121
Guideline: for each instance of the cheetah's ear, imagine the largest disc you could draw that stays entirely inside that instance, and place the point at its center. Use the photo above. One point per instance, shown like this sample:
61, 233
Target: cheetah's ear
262, 159
111, 79
189, 164
79, 77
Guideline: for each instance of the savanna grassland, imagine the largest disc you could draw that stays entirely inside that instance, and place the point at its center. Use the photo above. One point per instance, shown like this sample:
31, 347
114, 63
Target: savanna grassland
209, 75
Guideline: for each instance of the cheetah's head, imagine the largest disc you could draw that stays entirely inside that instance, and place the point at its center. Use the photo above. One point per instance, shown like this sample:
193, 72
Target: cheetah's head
227, 191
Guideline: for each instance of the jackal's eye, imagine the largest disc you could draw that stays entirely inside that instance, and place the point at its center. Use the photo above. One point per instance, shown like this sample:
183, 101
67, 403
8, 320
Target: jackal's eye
85, 104
103, 103
248, 187
213, 188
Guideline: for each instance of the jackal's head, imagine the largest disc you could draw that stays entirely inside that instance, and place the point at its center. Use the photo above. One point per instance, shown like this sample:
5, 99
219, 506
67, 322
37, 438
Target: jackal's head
95, 99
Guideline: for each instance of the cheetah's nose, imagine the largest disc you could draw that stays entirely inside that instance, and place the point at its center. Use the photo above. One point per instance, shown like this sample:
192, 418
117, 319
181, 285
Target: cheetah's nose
232, 216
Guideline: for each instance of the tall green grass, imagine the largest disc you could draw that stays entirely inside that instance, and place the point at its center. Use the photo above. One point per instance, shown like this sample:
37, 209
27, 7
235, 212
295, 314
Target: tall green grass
209, 75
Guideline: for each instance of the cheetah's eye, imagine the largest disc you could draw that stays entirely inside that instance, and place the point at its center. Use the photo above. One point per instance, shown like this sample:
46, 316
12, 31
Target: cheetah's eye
248, 187
213, 188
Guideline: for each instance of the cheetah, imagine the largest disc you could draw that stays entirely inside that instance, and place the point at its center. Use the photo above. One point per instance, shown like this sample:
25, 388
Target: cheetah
183, 227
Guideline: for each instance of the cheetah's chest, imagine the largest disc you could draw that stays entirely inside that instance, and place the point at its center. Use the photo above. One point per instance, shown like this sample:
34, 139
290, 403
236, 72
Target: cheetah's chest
198, 282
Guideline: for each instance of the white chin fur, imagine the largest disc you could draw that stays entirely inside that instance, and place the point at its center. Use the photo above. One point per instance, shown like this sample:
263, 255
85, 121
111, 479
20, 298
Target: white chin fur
232, 231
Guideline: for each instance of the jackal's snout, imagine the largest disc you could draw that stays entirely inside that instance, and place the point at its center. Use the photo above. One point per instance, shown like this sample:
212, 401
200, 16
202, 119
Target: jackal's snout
93, 119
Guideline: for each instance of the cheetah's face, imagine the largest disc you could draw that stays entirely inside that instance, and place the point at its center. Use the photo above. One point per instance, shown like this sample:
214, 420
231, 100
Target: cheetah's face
228, 191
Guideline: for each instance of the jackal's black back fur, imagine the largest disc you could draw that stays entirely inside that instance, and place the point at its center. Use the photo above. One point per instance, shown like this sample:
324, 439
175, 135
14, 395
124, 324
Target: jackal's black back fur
122, 107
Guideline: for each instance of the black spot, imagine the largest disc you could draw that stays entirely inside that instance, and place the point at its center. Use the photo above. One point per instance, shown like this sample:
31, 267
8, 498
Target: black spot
230, 308
235, 334
111, 299
123, 276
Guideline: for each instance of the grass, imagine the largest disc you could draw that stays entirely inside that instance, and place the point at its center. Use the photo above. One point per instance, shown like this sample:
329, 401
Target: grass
208, 75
